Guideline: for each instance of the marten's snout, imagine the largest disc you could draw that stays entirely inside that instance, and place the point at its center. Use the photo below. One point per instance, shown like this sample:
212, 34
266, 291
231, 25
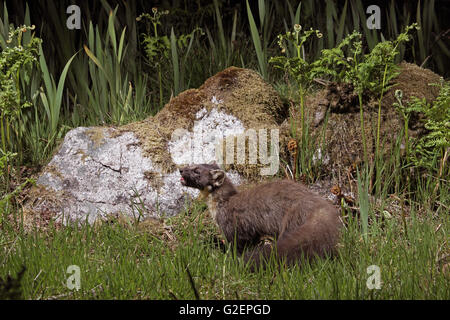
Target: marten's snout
188, 177
193, 176
197, 176
182, 179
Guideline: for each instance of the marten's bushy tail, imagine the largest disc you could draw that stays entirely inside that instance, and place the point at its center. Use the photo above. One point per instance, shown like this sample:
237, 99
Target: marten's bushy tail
310, 240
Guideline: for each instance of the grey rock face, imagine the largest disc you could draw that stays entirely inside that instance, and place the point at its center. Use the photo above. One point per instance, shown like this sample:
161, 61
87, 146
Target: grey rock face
102, 174
101, 171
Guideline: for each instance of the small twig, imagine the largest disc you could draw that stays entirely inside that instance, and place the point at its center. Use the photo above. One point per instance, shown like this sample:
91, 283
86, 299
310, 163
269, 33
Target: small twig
441, 168
172, 295
342, 221
223, 277
191, 281
425, 61
59, 296
290, 171
93, 289
37, 276
441, 204
162, 136
321, 81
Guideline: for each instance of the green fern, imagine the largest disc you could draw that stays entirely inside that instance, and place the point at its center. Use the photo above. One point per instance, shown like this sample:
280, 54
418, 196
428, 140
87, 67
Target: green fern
432, 145
367, 72
294, 63
161, 49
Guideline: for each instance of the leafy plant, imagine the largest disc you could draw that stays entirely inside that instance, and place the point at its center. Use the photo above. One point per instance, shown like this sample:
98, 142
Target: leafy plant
427, 156
180, 48
114, 96
160, 49
436, 142
15, 61
369, 74
156, 47
296, 65
366, 72
52, 95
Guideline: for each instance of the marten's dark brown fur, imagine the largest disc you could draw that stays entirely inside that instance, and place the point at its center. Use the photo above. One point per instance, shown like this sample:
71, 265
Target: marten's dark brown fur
302, 222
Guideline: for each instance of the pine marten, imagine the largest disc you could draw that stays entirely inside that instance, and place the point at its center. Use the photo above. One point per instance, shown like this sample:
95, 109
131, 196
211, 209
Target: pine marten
301, 222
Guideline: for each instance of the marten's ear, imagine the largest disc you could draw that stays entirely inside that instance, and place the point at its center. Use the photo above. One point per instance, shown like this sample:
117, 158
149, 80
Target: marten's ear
218, 176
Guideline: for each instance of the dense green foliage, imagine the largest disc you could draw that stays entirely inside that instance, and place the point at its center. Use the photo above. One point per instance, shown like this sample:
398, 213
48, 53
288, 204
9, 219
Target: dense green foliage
17, 60
370, 72
434, 145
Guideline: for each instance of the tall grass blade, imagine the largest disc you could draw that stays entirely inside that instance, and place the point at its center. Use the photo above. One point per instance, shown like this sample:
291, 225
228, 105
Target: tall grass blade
121, 41
192, 283
297, 14
233, 30
175, 63
262, 12
342, 19
257, 43
420, 33
291, 11
59, 92
330, 11
4, 26
220, 25
27, 35
45, 73
363, 199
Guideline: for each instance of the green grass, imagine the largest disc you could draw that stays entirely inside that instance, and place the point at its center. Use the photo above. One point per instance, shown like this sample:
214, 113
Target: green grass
129, 262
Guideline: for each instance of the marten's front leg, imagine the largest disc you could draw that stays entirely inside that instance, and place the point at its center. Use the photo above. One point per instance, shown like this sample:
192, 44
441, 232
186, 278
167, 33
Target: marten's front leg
238, 233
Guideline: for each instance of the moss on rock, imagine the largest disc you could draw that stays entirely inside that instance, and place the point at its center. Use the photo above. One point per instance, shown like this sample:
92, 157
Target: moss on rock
242, 93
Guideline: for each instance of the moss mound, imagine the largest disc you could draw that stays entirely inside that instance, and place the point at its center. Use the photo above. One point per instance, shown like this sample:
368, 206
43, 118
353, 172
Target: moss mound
334, 118
414, 81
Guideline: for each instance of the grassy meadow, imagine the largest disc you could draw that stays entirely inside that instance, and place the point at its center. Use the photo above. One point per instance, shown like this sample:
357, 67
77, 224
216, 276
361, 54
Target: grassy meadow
184, 261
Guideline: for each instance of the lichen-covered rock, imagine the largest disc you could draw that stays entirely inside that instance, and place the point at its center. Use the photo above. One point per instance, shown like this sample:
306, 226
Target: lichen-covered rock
132, 170
99, 172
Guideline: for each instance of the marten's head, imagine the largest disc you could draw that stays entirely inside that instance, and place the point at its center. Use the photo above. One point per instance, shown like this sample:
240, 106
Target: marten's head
202, 176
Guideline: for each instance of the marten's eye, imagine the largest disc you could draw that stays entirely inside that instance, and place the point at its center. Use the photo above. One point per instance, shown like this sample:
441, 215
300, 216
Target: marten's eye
197, 171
